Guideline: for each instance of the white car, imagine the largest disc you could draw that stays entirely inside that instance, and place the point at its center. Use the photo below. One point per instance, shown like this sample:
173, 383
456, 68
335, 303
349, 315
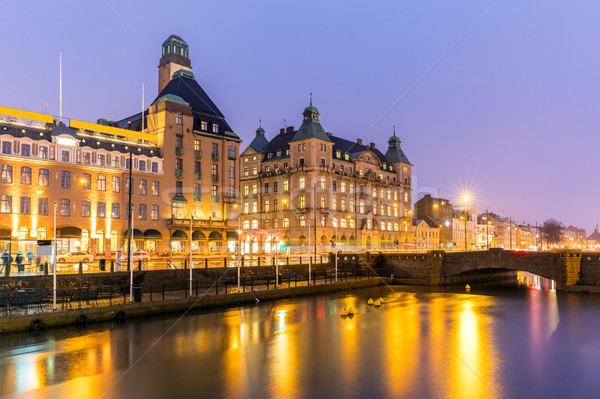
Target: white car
135, 256
74, 257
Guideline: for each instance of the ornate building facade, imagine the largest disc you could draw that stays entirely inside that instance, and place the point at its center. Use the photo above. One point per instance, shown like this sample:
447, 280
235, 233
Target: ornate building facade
184, 166
307, 183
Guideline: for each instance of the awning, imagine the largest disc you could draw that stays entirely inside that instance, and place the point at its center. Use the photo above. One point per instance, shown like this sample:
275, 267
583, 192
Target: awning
179, 235
151, 234
137, 234
5, 233
198, 235
232, 235
68, 231
214, 236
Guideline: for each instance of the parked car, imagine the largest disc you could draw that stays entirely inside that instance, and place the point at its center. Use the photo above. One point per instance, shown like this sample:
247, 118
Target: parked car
135, 256
74, 257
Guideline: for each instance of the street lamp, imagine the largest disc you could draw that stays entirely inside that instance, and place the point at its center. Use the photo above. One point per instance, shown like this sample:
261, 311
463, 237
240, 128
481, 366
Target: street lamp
465, 199
239, 244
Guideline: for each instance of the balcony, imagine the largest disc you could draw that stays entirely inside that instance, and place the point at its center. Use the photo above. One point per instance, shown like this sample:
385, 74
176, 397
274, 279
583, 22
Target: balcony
197, 175
215, 156
197, 154
231, 156
202, 223
178, 172
178, 150
214, 177
198, 197
230, 198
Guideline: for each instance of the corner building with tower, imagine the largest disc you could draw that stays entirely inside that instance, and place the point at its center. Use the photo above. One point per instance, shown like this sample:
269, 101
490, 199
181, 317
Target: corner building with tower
307, 183
184, 163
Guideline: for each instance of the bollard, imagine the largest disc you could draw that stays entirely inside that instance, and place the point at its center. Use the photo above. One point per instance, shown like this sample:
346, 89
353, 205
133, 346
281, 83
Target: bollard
287, 260
242, 260
206, 263
321, 259
224, 262
300, 260
258, 261
185, 264
45, 268
80, 267
139, 265
112, 266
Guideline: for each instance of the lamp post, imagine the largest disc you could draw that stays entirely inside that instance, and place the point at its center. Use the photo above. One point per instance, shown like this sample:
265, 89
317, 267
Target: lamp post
239, 245
487, 234
336, 252
465, 199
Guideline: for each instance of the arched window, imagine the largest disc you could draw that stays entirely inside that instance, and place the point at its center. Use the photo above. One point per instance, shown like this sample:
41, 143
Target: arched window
23, 233
334, 222
343, 223
302, 220
255, 224
286, 222
41, 233
351, 223
85, 240
246, 224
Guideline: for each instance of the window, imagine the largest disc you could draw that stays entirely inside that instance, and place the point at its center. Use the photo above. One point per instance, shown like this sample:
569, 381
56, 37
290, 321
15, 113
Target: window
115, 162
334, 222
179, 118
246, 171
343, 207
266, 189
25, 205
7, 147
275, 205
368, 224
101, 183
115, 211
286, 185
116, 184
254, 189
334, 204
351, 188
41, 233
302, 202
142, 186
142, 166
204, 125
322, 201
351, 206
215, 128
65, 179
286, 222
334, 187
65, 155
25, 175
85, 208
197, 145
302, 220
6, 204
323, 221
231, 153
65, 207
232, 172
154, 212
361, 207
179, 141
87, 184
179, 188
154, 167
254, 170
254, 206
351, 223
142, 212
255, 224
155, 188
86, 158
322, 161
25, 150
246, 207
343, 187
323, 183
275, 186
215, 148
42, 206
101, 159
178, 163
267, 208
178, 210
343, 223
6, 174
43, 152
246, 224
101, 209
302, 180
214, 170
197, 192
215, 197
301, 162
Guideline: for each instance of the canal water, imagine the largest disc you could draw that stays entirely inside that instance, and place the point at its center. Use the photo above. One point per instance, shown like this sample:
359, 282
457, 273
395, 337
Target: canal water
487, 343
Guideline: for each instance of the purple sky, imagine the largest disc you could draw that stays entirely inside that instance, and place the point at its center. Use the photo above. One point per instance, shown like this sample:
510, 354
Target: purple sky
509, 112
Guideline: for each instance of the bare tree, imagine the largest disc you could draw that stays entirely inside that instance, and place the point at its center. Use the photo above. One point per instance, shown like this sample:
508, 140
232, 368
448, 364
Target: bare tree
552, 231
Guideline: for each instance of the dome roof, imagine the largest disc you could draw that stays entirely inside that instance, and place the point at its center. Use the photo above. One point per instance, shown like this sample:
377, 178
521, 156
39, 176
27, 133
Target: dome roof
61, 130
171, 97
260, 142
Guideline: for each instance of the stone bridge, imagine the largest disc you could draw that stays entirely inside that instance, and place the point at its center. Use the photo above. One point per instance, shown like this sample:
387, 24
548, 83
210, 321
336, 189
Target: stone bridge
566, 267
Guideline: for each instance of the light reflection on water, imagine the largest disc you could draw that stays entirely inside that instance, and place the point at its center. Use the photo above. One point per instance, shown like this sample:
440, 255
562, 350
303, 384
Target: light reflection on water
420, 343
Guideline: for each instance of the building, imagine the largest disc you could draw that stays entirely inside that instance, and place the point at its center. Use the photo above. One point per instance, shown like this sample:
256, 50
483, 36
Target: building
308, 183
184, 163
485, 233
426, 234
574, 237
438, 212
505, 230
594, 238
528, 237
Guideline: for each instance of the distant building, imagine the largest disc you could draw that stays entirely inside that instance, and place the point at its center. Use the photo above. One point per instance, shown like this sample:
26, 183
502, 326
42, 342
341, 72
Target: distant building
594, 238
528, 237
485, 233
505, 230
574, 237
437, 211
426, 234
308, 183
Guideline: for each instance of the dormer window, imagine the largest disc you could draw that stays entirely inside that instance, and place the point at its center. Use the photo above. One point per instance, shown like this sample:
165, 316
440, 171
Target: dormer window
338, 154
215, 128
204, 125
278, 153
346, 157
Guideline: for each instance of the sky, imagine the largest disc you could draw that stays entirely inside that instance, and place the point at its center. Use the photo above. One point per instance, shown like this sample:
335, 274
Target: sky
495, 98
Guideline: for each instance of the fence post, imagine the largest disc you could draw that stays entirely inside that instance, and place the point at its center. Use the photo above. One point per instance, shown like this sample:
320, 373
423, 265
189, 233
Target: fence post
321, 259
300, 260
80, 267
258, 260
287, 260
112, 266
206, 263
224, 262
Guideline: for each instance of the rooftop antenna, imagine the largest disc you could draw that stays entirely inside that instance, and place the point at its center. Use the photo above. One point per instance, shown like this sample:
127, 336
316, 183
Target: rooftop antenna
284, 123
260, 123
142, 106
46, 108
311, 99
394, 130
60, 86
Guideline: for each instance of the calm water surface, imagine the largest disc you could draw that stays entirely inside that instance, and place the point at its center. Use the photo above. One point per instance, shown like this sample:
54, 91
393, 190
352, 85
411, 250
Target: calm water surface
513, 343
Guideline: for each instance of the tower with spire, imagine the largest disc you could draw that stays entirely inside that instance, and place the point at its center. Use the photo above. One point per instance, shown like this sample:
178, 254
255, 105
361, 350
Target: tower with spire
175, 57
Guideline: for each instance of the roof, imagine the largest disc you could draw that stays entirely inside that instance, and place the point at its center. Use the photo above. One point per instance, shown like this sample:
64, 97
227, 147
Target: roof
260, 142
190, 91
176, 38
395, 154
311, 126
353, 148
61, 129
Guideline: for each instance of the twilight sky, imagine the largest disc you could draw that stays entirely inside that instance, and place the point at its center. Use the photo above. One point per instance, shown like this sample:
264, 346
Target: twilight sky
499, 98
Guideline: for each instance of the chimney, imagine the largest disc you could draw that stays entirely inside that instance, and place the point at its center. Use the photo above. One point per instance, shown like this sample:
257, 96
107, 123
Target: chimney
282, 130
289, 129
358, 141
372, 145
